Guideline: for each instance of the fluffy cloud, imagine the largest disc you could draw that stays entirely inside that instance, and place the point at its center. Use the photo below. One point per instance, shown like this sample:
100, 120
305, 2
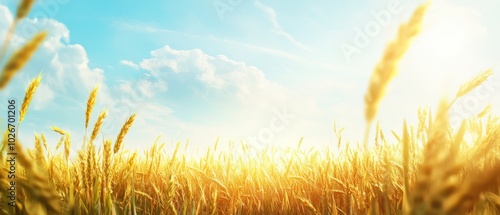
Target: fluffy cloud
67, 77
65, 66
212, 74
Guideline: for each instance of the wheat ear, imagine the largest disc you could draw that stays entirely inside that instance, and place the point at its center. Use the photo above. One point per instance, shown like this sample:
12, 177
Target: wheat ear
90, 168
29, 96
98, 125
83, 172
123, 132
58, 130
472, 84
7, 40
485, 111
90, 105
62, 133
44, 141
24, 8
106, 167
475, 82
20, 58
22, 11
40, 158
386, 70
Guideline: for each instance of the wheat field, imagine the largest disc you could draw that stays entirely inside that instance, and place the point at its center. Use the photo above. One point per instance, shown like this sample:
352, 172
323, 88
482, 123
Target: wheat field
432, 168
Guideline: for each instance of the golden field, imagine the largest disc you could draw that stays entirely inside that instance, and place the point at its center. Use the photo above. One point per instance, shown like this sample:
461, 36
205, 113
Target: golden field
431, 169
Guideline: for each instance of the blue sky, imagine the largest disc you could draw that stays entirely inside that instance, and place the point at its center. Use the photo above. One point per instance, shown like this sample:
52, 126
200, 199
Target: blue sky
266, 72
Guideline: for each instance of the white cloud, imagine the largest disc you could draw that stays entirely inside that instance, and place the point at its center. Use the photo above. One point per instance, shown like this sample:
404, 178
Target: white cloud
65, 65
67, 76
129, 64
216, 74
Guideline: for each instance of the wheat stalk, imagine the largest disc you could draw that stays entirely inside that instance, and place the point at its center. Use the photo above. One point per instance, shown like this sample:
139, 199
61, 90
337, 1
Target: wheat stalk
307, 204
40, 158
7, 40
106, 167
24, 8
44, 141
89, 169
485, 111
386, 70
58, 130
467, 195
472, 84
37, 187
83, 172
123, 132
67, 145
438, 189
20, 58
475, 82
107, 152
90, 105
98, 125
29, 96
22, 11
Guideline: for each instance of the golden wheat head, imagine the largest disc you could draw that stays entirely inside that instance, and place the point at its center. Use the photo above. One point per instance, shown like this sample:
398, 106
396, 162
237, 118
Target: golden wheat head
62, 133
58, 130
123, 132
20, 58
98, 125
39, 157
24, 8
473, 83
44, 142
386, 70
90, 105
29, 96
107, 162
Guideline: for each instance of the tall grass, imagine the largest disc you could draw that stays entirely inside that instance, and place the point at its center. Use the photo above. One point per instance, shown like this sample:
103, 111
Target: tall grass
433, 169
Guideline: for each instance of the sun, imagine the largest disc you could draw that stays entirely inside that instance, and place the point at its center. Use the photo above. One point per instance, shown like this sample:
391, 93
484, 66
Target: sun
451, 33
446, 52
